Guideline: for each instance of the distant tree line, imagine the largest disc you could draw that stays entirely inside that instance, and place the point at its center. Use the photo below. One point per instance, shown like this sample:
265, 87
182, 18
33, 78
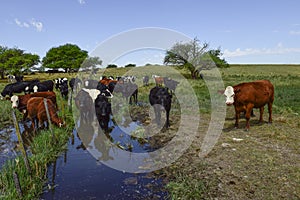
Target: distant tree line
192, 55
68, 57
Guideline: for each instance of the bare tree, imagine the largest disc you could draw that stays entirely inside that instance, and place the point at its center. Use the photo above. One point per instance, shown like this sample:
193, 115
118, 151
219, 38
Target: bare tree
191, 55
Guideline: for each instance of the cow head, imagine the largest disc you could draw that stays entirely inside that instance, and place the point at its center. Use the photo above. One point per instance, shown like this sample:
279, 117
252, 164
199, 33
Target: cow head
14, 101
229, 94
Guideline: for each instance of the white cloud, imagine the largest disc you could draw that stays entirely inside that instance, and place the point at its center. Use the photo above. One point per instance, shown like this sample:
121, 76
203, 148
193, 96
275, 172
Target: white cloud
279, 49
21, 24
33, 23
294, 32
81, 1
37, 25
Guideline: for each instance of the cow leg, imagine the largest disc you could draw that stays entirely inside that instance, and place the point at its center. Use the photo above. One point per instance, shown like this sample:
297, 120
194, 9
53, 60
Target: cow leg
247, 116
261, 112
167, 120
237, 117
157, 114
32, 124
270, 111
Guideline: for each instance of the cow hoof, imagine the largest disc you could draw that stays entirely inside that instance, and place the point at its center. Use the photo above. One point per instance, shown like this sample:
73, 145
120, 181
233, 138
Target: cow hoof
246, 130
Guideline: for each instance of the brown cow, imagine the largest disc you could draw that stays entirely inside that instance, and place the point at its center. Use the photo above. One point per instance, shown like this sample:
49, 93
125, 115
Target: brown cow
158, 80
36, 110
20, 102
106, 81
246, 96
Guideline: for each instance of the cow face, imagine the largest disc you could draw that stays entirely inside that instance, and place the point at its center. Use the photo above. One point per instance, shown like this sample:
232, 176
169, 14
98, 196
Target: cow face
229, 94
35, 88
14, 101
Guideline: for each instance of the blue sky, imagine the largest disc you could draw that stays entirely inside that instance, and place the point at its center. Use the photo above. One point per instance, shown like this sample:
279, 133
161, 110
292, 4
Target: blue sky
246, 31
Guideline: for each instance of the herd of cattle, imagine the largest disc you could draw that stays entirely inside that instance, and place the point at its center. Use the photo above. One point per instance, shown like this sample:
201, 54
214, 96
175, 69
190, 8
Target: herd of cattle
92, 97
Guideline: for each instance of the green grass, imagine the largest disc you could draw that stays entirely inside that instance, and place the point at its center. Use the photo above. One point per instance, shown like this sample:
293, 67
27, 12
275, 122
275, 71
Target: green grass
262, 166
45, 148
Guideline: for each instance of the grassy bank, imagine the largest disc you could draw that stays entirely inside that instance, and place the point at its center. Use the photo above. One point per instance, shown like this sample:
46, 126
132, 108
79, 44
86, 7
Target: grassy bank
44, 149
264, 164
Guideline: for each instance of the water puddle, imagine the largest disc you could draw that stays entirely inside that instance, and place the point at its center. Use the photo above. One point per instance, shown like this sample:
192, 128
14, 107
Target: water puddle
78, 175
9, 142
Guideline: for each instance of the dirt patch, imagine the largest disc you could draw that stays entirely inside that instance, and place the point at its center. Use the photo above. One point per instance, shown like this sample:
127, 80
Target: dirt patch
263, 163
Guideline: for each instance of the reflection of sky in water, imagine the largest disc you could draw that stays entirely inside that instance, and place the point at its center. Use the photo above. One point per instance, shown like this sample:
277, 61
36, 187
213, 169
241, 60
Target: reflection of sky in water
8, 142
116, 152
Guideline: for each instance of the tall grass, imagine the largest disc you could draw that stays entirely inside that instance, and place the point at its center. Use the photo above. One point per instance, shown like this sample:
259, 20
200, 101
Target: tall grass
45, 148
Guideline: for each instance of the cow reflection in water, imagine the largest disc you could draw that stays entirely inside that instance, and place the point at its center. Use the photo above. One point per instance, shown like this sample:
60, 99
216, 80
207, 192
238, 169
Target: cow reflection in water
27, 135
85, 132
94, 138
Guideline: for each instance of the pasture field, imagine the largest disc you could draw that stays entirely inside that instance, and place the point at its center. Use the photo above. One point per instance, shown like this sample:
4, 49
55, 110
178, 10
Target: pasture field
264, 163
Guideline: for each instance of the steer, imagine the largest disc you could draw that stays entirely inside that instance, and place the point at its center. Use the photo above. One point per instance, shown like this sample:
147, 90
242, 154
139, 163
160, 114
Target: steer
103, 111
40, 86
20, 102
17, 87
36, 110
171, 84
85, 105
246, 96
161, 99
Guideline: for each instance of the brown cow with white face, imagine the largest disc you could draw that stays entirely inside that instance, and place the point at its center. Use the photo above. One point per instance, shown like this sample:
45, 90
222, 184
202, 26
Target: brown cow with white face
246, 96
36, 110
20, 102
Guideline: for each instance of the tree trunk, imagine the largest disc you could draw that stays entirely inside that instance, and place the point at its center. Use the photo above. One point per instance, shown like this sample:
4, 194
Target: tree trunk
2, 74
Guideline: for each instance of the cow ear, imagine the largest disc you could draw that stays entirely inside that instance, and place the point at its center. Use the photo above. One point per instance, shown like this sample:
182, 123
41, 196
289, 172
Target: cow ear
221, 91
237, 90
7, 98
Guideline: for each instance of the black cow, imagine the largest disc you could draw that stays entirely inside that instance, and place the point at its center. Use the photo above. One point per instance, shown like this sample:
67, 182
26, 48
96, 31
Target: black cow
75, 83
103, 111
64, 90
90, 84
171, 84
160, 98
128, 90
19, 78
84, 103
43, 86
17, 87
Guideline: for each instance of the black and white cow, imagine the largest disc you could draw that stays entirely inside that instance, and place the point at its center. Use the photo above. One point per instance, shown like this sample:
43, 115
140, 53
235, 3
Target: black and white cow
43, 86
17, 87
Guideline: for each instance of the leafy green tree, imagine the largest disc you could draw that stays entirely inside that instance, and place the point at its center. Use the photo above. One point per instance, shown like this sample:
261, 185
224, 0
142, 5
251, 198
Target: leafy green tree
130, 65
193, 56
68, 56
111, 66
216, 57
14, 60
91, 63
